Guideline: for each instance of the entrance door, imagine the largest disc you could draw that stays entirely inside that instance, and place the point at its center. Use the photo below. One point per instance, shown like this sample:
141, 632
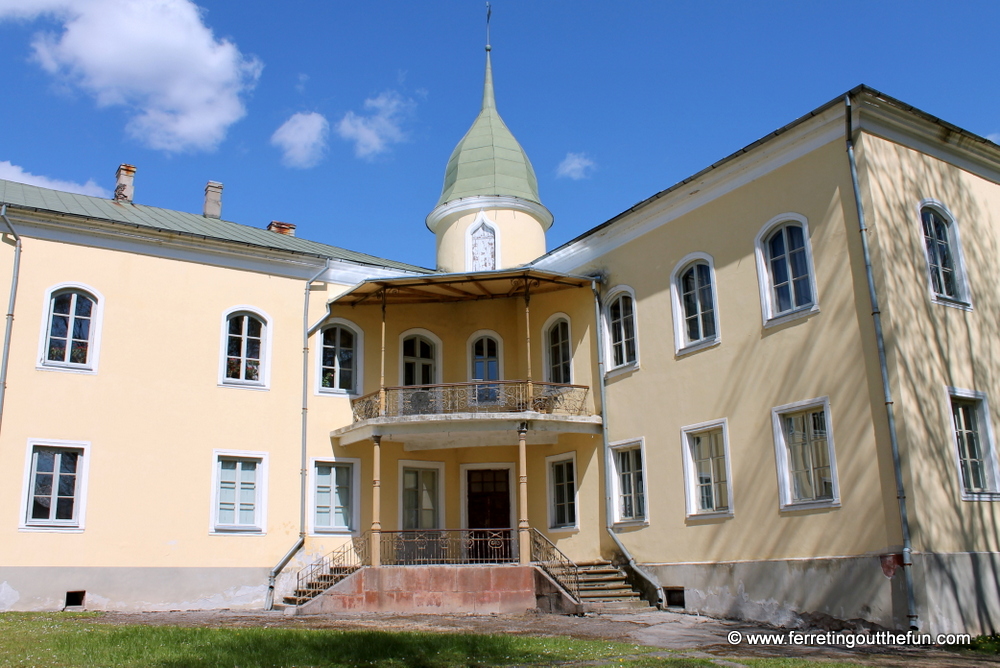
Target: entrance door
490, 533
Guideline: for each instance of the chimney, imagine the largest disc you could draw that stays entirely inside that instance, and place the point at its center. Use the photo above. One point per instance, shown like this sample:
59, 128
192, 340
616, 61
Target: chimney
124, 188
281, 228
213, 200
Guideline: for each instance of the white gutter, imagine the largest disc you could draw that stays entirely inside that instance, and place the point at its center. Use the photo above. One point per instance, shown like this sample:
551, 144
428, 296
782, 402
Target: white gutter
15, 274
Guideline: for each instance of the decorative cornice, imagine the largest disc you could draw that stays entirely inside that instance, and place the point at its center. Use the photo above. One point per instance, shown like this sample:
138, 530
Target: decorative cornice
489, 203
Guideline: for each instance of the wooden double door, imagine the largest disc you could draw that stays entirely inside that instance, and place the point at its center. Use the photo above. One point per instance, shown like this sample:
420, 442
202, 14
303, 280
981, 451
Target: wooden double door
490, 534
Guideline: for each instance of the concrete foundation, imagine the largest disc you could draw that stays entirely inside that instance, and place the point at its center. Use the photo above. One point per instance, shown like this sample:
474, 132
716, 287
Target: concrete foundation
430, 589
959, 592
133, 589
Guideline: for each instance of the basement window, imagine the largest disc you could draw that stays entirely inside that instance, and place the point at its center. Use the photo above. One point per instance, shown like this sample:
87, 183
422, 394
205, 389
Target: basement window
674, 597
74, 599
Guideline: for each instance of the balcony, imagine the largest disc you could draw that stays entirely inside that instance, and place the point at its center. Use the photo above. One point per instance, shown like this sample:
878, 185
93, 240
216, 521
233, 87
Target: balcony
498, 396
454, 415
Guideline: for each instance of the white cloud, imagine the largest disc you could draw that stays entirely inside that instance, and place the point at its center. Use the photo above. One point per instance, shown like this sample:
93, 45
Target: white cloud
10, 172
995, 137
576, 166
302, 139
156, 57
301, 85
372, 134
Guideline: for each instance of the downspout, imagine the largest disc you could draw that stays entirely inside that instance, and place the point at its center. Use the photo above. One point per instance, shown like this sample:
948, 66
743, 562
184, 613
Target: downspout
608, 499
303, 471
911, 606
15, 274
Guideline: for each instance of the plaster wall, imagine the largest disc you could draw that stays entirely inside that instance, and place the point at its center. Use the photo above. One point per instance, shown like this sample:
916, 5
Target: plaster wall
520, 239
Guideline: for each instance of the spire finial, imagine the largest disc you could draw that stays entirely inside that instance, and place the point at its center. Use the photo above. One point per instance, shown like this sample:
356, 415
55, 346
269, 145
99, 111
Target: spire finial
488, 101
489, 10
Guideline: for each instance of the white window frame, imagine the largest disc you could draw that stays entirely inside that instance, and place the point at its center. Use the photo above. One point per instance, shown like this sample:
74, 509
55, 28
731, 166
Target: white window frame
265, 367
614, 294
691, 482
963, 300
78, 523
259, 528
355, 464
359, 356
546, 355
482, 218
769, 317
551, 492
781, 455
987, 443
464, 488
479, 333
613, 450
438, 351
94, 342
681, 344
419, 464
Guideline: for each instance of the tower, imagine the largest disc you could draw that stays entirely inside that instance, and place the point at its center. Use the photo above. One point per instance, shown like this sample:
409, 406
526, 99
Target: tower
489, 215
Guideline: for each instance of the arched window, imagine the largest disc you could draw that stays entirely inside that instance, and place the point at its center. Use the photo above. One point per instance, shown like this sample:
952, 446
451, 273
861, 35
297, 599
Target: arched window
418, 361
621, 323
698, 302
339, 359
785, 269
944, 256
245, 338
558, 351
788, 269
485, 359
71, 328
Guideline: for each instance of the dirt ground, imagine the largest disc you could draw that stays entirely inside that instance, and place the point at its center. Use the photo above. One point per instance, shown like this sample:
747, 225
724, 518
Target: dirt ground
687, 635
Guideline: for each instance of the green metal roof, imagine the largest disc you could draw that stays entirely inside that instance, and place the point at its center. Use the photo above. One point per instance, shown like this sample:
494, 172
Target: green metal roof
488, 160
23, 196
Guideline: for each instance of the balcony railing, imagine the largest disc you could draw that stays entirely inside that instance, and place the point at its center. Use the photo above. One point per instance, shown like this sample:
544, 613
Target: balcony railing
498, 396
448, 546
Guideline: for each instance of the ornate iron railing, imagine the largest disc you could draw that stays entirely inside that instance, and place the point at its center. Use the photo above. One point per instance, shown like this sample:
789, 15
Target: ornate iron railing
559, 567
499, 396
448, 546
327, 571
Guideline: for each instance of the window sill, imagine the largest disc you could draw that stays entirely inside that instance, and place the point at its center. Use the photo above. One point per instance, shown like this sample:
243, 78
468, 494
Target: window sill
789, 316
49, 528
698, 345
342, 531
810, 505
719, 515
628, 524
245, 386
980, 496
621, 370
567, 529
66, 368
330, 392
229, 531
960, 304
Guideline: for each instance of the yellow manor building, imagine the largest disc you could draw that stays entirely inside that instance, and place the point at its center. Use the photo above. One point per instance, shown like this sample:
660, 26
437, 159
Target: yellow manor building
766, 393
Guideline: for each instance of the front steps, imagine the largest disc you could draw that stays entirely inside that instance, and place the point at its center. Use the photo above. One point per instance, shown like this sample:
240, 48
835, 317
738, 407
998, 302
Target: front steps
314, 588
603, 588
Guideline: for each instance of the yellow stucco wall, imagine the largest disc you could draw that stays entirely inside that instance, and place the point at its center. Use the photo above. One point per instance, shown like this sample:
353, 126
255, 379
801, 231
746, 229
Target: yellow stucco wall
520, 238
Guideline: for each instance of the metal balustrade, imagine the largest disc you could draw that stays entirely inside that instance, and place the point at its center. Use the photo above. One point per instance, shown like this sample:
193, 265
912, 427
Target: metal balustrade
448, 546
498, 396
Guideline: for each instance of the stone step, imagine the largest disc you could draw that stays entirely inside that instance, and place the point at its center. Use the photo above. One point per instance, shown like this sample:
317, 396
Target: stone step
622, 595
617, 606
602, 577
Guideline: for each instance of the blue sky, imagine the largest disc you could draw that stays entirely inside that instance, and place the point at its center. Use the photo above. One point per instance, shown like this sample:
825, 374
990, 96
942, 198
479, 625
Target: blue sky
339, 117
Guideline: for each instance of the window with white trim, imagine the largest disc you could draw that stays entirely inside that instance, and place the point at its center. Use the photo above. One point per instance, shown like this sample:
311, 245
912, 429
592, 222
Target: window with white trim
419, 361
421, 498
339, 348
807, 469
245, 348
785, 269
55, 487
944, 256
239, 493
333, 496
974, 446
71, 328
558, 353
622, 329
630, 487
562, 491
706, 469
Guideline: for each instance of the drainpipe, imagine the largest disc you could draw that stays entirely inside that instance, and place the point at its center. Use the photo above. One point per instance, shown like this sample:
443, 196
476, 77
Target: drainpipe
303, 471
608, 499
911, 606
10, 308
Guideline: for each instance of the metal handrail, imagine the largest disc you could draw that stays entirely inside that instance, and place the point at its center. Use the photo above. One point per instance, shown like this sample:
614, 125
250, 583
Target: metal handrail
448, 546
551, 559
330, 569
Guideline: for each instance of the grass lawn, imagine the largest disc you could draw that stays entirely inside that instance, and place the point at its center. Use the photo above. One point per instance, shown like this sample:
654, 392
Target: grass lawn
44, 640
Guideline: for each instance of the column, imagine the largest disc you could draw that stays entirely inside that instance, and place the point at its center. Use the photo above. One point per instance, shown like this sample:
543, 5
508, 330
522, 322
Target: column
376, 540
523, 528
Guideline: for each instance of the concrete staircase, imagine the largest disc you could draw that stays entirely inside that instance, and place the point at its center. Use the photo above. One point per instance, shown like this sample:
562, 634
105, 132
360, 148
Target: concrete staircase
317, 584
603, 589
